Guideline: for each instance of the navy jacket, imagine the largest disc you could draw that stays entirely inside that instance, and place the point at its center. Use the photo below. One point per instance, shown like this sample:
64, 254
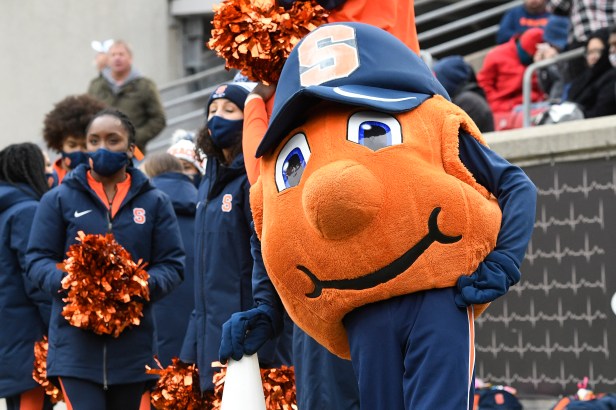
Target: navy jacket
24, 310
72, 207
173, 312
223, 265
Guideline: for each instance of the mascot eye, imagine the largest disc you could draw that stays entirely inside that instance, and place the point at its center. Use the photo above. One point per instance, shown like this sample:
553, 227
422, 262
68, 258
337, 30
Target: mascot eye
374, 130
291, 162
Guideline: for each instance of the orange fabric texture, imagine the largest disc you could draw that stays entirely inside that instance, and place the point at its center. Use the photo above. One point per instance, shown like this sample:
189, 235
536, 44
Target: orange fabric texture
60, 171
122, 189
356, 212
256, 118
32, 399
396, 17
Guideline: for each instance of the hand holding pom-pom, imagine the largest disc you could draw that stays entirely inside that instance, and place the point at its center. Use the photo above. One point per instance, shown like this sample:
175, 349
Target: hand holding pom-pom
257, 36
106, 288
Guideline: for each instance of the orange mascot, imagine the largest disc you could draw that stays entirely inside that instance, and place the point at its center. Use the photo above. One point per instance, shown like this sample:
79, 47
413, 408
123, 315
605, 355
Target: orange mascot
384, 222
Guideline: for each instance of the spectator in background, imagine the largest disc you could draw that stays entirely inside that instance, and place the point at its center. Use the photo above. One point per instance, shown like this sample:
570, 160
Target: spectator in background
185, 151
502, 74
458, 78
172, 313
24, 310
101, 48
594, 89
64, 131
520, 18
122, 87
552, 79
223, 260
586, 16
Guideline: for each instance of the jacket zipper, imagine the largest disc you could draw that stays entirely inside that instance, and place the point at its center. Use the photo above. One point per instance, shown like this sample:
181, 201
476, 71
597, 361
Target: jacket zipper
105, 386
109, 224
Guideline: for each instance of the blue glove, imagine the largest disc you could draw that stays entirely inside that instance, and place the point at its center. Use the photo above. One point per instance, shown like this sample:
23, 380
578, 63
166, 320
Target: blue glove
245, 333
490, 281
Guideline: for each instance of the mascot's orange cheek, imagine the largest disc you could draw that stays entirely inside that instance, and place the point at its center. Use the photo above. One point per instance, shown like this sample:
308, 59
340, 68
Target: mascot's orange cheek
363, 226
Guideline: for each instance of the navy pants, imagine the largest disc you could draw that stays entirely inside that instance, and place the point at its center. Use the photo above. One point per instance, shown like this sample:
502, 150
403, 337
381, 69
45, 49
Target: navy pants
322, 380
82, 394
413, 352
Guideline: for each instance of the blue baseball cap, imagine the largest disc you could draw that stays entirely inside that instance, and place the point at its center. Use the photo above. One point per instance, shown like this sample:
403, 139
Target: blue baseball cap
348, 63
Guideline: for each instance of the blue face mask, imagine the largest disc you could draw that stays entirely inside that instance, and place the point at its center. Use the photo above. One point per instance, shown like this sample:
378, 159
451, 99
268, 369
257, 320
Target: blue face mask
107, 163
75, 158
225, 133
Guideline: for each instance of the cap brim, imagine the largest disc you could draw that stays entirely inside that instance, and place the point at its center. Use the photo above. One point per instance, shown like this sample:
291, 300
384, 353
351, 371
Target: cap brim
381, 99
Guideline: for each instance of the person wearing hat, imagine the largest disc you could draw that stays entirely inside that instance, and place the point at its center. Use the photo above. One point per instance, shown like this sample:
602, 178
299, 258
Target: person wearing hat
223, 260
458, 78
184, 150
502, 74
397, 227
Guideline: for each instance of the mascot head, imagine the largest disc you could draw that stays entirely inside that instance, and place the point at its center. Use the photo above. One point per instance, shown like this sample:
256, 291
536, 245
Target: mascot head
362, 195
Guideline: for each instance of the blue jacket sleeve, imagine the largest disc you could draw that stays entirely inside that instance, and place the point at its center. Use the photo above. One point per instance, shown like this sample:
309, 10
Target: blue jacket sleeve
166, 269
263, 291
506, 28
517, 197
46, 246
20, 232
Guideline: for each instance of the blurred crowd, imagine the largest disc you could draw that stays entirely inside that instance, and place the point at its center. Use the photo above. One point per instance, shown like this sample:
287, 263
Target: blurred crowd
568, 89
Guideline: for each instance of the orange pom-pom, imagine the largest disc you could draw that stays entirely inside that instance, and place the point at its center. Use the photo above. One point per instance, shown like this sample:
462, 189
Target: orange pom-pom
257, 36
278, 388
39, 373
106, 288
177, 388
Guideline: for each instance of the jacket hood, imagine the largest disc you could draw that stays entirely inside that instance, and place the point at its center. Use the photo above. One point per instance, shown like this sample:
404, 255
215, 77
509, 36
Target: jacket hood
180, 190
453, 72
133, 75
12, 194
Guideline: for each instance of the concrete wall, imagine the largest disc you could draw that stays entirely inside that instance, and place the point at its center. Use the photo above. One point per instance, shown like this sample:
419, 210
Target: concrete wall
46, 53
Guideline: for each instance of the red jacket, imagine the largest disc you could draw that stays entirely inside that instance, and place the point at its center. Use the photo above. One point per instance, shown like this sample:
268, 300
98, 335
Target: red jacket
501, 78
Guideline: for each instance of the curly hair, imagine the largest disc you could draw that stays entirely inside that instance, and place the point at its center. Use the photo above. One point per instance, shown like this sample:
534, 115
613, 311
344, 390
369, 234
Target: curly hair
69, 118
205, 146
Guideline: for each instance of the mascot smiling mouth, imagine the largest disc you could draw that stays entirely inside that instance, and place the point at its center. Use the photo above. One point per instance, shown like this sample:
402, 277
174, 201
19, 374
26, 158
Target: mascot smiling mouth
388, 272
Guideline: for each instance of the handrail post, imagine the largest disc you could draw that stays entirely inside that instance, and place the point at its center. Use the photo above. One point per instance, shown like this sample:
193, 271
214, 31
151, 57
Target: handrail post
527, 83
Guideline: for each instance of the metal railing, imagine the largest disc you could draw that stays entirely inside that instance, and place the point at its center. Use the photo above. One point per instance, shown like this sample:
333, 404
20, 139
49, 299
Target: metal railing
192, 78
528, 75
463, 22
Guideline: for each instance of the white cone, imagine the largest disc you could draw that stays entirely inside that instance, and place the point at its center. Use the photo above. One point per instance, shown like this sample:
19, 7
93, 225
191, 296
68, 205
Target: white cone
243, 388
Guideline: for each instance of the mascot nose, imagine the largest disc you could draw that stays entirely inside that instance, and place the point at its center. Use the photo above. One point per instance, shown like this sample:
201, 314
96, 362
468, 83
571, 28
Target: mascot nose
340, 199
